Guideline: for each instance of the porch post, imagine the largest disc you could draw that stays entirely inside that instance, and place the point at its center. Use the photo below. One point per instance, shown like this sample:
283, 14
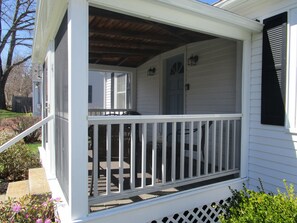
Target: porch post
78, 107
246, 73
50, 152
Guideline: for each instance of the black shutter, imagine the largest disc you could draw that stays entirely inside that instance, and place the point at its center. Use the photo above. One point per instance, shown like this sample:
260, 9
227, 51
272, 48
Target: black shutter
274, 70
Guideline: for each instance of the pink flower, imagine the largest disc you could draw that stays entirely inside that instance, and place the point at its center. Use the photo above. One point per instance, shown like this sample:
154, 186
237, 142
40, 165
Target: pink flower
39, 220
58, 199
47, 221
44, 204
57, 220
16, 207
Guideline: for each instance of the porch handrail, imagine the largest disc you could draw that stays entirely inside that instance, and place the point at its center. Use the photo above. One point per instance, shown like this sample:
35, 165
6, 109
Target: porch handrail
158, 118
28, 131
108, 111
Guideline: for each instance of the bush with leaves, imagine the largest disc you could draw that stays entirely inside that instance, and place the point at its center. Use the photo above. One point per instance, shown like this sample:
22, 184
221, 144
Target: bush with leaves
248, 206
30, 208
24, 122
16, 161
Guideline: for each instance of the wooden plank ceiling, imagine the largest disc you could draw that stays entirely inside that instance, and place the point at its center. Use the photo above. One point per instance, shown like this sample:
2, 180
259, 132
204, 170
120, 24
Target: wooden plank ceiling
121, 40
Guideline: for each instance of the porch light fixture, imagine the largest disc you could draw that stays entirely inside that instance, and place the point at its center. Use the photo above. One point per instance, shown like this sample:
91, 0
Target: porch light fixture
151, 71
192, 61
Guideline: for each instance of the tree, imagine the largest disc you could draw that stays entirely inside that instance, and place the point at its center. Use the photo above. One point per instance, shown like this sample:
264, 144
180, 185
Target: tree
19, 82
16, 26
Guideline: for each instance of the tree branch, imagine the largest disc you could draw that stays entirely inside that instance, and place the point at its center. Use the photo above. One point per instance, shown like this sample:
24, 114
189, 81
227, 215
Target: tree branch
17, 20
8, 70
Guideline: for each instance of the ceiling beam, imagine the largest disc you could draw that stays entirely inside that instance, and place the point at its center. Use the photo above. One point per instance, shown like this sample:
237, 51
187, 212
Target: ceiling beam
120, 52
134, 35
116, 16
131, 45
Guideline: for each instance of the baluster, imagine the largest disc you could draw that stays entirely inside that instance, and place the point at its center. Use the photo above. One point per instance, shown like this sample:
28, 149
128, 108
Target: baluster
164, 149
227, 146
132, 158
221, 146
206, 149
191, 150
182, 151
121, 158
173, 152
108, 159
234, 144
143, 160
213, 165
154, 154
95, 161
199, 149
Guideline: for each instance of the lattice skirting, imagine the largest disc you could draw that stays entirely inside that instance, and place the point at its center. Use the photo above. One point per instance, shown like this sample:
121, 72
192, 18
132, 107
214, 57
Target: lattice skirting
204, 214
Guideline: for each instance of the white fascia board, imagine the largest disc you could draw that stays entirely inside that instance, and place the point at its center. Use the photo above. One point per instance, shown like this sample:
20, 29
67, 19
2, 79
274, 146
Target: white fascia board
217, 13
36, 32
49, 15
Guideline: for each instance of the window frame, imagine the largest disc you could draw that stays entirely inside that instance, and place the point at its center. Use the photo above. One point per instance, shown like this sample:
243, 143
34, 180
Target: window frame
291, 91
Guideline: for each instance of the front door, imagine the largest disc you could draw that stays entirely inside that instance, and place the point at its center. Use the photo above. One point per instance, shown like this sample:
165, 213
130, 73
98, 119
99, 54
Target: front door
174, 98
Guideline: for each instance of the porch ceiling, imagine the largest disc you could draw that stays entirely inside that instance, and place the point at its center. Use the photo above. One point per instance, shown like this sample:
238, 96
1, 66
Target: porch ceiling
121, 40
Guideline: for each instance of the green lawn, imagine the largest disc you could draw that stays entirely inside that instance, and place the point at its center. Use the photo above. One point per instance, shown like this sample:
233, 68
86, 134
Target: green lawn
9, 114
34, 147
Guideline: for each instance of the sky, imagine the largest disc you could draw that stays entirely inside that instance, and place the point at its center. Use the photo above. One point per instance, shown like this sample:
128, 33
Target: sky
209, 1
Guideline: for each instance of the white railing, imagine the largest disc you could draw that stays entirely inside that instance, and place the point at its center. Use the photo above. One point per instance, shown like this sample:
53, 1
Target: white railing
134, 155
25, 133
102, 112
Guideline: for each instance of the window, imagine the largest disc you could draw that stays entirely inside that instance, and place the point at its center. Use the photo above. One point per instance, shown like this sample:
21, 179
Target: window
121, 91
90, 94
274, 70
118, 90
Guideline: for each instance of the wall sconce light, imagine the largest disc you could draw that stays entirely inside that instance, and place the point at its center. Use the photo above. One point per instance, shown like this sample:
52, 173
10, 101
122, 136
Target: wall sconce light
151, 71
192, 61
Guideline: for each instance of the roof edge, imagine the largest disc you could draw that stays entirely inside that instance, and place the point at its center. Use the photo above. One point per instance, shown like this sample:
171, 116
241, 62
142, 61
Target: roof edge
223, 15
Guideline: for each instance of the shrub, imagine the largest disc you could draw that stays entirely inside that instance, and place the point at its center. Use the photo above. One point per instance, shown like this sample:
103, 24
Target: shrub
24, 122
16, 161
30, 208
253, 207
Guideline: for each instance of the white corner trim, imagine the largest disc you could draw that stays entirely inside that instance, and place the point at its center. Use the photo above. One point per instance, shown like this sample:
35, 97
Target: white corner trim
292, 131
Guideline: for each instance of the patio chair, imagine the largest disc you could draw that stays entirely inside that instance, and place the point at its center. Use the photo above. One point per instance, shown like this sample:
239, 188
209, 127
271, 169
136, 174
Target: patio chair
178, 145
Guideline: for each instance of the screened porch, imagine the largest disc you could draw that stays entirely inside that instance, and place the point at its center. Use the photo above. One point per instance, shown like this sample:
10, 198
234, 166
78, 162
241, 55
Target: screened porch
169, 113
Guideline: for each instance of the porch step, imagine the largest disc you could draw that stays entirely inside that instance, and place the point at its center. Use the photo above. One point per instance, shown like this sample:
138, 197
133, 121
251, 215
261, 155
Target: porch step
17, 189
36, 184
37, 181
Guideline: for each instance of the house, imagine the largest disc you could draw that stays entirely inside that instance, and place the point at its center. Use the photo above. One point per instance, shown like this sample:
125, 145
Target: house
36, 91
215, 87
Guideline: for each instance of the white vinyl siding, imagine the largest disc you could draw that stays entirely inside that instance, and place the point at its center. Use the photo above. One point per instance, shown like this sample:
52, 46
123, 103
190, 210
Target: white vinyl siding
272, 150
148, 89
96, 81
213, 80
